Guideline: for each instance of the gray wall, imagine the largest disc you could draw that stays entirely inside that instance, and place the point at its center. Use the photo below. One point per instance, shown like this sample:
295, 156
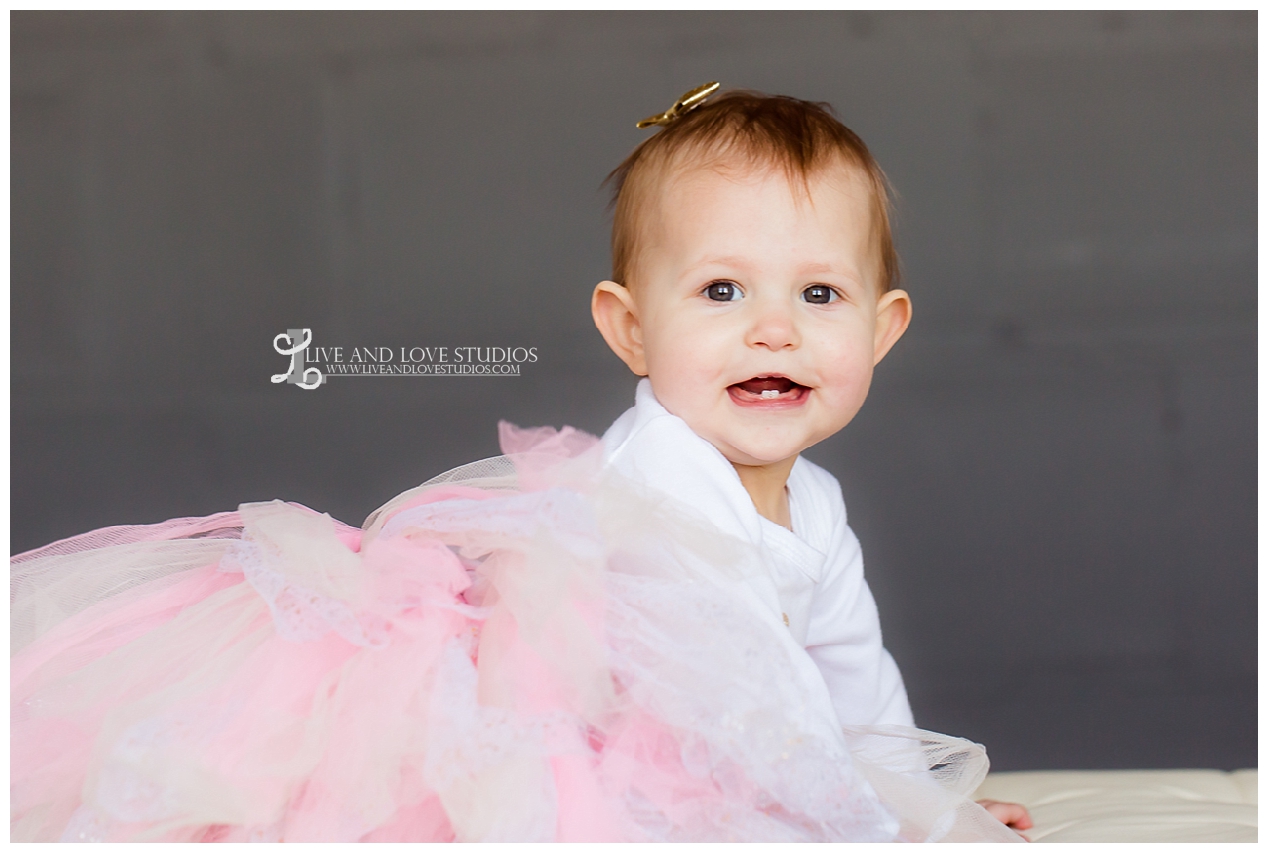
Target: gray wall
1054, 479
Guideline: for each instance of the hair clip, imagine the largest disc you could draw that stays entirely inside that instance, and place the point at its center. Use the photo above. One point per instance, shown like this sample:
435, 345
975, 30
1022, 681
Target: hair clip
682, 106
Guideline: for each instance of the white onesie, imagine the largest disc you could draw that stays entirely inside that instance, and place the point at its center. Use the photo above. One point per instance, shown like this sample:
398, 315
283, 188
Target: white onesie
815, 583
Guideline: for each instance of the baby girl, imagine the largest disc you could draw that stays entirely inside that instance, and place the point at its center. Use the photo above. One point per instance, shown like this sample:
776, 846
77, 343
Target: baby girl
665, 635
755, 286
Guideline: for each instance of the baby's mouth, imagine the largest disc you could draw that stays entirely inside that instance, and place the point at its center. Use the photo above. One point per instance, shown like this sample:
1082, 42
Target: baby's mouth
767, 390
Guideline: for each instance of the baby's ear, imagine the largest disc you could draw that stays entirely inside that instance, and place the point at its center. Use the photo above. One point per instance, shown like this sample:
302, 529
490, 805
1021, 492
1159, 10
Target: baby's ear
616, 316
893, 314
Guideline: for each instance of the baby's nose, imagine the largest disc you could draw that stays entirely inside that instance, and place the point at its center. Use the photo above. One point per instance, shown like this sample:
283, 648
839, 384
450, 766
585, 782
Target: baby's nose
773, 327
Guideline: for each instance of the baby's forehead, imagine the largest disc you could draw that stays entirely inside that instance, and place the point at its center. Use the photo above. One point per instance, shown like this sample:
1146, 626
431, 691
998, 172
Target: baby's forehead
697, 200
746, 171
693, 193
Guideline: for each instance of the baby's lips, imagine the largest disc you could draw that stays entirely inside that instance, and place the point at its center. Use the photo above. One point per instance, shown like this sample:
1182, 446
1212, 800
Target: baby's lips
768, 391
758, 384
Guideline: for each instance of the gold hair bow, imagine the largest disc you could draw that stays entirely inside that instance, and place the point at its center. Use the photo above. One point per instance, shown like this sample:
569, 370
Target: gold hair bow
682, 106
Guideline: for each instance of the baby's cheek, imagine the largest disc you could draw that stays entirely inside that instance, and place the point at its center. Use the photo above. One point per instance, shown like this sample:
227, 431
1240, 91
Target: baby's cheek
847, 380
668, 352
684, 366
673, 390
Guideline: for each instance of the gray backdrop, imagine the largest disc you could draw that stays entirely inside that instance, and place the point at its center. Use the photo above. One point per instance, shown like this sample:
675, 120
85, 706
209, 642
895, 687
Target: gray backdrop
1053, 480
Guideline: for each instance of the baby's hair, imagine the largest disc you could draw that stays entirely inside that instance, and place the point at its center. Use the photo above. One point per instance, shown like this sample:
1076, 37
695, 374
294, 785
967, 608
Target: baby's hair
800, 137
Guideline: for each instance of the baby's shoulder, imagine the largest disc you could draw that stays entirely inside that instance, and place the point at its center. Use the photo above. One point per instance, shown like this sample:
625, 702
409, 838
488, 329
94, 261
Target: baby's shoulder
814, 487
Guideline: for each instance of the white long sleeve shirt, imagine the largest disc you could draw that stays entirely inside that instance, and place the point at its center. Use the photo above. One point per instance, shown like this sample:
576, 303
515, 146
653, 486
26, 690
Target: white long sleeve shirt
814, 580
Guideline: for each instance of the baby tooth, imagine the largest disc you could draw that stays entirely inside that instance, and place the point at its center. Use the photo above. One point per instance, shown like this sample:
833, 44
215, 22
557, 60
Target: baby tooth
770, 394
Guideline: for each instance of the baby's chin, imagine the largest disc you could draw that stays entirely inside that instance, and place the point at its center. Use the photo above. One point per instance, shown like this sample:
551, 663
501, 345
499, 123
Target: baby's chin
756, 454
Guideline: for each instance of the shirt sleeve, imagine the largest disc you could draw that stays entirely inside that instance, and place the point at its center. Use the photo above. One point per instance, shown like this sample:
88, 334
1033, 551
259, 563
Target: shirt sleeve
844, 635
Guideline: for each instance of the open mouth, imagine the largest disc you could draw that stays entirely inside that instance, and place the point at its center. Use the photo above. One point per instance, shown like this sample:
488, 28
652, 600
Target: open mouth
767, 390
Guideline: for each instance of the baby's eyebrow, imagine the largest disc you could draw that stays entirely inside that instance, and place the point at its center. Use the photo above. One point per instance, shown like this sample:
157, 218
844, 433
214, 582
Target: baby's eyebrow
728, 261
811, 269
746, 263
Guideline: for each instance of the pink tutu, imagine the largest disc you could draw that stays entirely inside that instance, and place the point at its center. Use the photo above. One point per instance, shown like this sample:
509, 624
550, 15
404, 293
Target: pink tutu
525, 649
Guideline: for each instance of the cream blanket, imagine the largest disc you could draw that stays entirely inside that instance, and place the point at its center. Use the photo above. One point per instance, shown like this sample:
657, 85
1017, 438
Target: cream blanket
1133, 805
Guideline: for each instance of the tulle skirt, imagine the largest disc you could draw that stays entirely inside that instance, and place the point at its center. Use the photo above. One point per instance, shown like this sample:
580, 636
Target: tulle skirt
528, 648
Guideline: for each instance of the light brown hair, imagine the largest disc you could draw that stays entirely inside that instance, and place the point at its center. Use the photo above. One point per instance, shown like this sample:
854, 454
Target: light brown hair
800, 137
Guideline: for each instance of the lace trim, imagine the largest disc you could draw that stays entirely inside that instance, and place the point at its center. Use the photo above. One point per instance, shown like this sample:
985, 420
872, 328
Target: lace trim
300, 614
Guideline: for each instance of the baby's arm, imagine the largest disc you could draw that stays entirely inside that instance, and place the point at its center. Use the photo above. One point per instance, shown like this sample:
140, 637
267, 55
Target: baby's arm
843, 630
844, 633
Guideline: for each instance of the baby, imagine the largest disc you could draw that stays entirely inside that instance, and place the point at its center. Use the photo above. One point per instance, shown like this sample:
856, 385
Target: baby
665, 635
754, 285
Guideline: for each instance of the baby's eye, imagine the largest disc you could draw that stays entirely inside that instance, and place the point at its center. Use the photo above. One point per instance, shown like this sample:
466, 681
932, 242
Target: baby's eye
819, 294
723, 291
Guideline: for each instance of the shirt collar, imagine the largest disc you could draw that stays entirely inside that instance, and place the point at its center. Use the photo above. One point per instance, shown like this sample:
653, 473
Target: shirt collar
653, 447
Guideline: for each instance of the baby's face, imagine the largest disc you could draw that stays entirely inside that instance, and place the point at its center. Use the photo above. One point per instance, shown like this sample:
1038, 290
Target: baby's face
758, 308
